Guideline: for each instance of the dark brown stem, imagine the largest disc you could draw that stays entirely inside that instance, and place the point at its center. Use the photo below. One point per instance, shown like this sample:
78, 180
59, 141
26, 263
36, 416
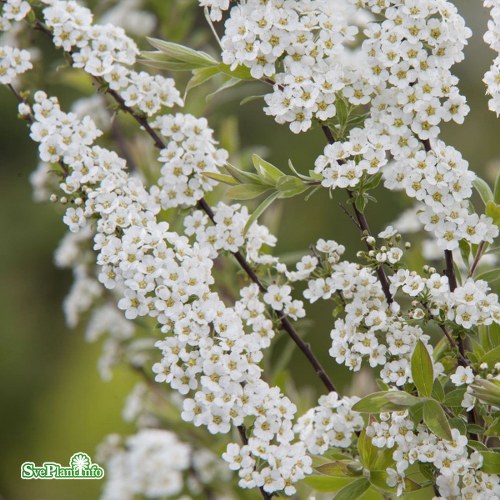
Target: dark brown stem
285, 322
382, 277
479, 254
243, 435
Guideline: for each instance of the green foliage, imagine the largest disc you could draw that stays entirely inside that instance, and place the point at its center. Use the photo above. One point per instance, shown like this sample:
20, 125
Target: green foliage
422, 370
353, 490
435, 419
483, 189
385, 401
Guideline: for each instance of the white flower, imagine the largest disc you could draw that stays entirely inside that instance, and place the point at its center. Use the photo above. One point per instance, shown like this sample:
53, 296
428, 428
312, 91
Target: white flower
463, 375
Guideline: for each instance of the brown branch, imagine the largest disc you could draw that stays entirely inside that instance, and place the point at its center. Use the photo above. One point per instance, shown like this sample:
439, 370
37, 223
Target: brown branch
243, 435
285, 322
479, 254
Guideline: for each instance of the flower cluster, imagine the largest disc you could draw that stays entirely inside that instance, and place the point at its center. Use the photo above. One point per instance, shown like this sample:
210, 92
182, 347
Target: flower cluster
12, 11
105, 51
492, 38
371, 328
13, 62
330, 424
190, 153
227, 233
440, 179
150, 463
469, 304
208, 349
303, 46
458, 474
388, 63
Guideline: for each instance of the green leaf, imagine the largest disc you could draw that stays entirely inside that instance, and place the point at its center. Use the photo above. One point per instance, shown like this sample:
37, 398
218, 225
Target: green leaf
382, 385
247, 191
347, 468
477, 445
240, 72
245, 177
360, 203
230, 82
266, 170
487, 391
371, 457
475, 429
438, 391
459, 424
260, 210
226, 179
422, 370
385, 401
435, 419
200, 76
289, 186
326, 483
489, 276
353, 490
373, 181
298, 174
491, 462
250, 98
496, 190
379, 479
493, 211
367, 452
483, 189
183, 54
464, 250
161, 61
417, 412
494, 428
491, 357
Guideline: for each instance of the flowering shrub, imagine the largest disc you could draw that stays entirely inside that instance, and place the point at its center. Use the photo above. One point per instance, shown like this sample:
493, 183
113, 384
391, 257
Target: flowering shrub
146, 246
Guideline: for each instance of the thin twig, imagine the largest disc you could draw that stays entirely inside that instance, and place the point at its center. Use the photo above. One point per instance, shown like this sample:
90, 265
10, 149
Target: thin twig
479, 254
243, 435
285, 322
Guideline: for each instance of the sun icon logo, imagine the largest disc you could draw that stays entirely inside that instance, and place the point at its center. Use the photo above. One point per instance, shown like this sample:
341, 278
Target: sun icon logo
79, 462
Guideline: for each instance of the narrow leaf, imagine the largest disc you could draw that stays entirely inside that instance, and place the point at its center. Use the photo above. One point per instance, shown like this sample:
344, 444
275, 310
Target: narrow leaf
200, 76
483, 189
260, 210
326, 483
494, 428
422, 370
266, 169
491, 357
491, 462
493, 210
230, 82
226, 179
242, 176
367, 452
289, 186
246, 191
182, 53
240, 72
251, 98
353, 490
435, 419
385, 401
497, 189
341, 469
490, 276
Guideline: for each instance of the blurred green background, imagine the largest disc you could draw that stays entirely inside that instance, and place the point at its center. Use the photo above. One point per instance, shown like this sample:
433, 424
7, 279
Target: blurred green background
53, 401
